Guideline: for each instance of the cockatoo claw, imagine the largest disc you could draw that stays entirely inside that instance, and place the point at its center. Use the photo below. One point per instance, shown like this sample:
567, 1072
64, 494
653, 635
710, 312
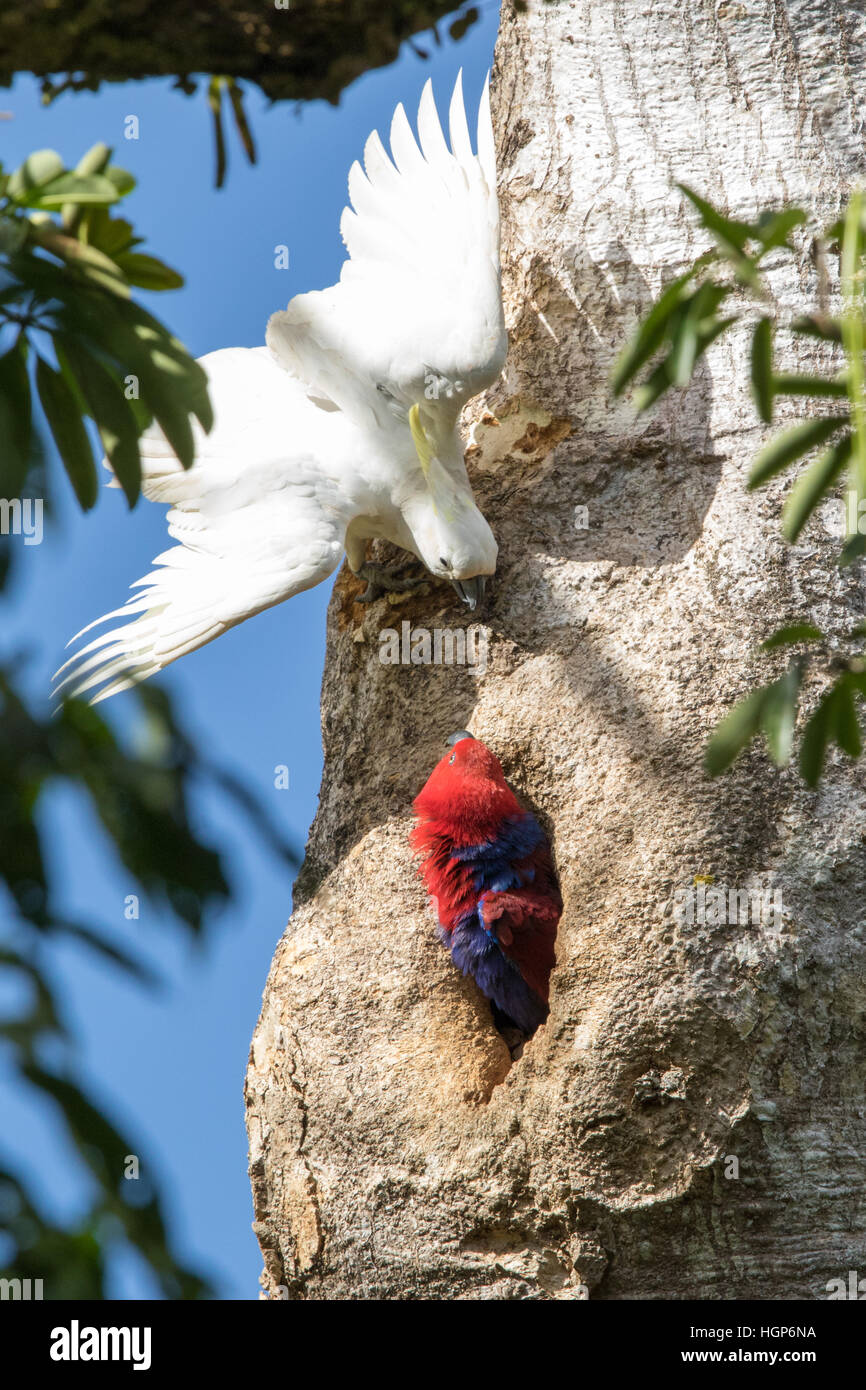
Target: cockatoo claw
382, 580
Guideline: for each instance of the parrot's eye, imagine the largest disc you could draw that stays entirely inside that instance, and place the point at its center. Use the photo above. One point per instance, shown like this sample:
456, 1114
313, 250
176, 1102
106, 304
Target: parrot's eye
453, 756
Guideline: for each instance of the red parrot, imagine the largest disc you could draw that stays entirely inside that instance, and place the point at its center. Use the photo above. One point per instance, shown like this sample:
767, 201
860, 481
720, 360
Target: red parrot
488, 869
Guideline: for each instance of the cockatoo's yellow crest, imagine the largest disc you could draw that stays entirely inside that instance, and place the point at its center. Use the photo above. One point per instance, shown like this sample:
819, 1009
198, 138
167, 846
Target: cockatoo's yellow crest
423, 447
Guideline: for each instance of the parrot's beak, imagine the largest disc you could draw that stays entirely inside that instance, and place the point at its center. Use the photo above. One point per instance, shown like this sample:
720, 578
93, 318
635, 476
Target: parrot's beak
455, 738
471, 590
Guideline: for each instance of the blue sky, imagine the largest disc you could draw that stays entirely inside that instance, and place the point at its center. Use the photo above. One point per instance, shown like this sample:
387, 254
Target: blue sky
171, 1066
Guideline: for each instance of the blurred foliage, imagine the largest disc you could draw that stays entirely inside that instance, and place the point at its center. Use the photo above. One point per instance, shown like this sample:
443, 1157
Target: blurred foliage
71, 336
141, 799
70, 328
217, 87
292, 49
724, 286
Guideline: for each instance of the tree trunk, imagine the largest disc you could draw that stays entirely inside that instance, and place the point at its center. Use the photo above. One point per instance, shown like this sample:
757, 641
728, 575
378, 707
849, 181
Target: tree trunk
690, 1121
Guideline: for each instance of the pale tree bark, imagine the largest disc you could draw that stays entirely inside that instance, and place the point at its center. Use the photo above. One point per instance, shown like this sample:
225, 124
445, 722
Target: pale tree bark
396, 1151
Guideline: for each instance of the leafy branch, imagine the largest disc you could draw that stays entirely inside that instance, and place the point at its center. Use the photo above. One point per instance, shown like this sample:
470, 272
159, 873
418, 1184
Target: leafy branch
67, 270
140, 796
725, 284
217, 86
772, 709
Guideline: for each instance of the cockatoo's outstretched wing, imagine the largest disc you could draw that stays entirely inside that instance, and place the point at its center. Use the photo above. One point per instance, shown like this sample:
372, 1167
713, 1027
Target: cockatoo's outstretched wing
254, 517
413, 330
417, 314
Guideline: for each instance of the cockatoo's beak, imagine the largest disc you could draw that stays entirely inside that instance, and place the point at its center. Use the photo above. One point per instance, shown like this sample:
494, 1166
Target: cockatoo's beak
471, 590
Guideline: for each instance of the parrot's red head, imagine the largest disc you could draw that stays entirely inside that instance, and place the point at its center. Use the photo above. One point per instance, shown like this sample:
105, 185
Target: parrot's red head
467, 791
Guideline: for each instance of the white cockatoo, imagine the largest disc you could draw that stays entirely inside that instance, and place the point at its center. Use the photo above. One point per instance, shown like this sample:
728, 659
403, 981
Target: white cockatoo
343, 427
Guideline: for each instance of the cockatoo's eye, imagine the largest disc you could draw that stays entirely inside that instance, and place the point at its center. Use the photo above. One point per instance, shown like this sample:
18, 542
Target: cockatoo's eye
453, 756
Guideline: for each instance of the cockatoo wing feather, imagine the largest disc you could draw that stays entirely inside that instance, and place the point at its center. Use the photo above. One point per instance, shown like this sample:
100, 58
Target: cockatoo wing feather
254, 521
417, 313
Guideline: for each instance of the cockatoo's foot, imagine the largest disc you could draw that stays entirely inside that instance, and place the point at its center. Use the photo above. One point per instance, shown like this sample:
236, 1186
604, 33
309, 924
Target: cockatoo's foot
382, 580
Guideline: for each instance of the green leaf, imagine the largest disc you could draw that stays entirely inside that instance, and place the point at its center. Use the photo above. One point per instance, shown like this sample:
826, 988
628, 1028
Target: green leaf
38, 168
14, 231
793, 633
15, 418
779, 713
819, 326
42, 277
73, 188
123, 181
655, 386
236, 98
790, 384
172, 397
730, 233
847, 726
111, 235
183, 374
94, 161
172, 417
734, 733
109, 280
852, 550
835, 231
89, 260
215, 98
695, 330
811, 486
108, 406
774, 228
683, 354
831, 719
713, 330
762, 368
67, 427
171, 384
790, 445
854, 333
147, 272
816, 737
650, 333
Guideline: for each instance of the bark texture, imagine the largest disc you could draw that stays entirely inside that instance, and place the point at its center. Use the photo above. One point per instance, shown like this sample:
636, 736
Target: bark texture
395, 1150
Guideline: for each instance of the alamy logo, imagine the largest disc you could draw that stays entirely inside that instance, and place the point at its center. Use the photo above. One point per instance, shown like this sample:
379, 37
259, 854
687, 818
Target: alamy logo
76, 1343
444, 646
22, 516
853, 1288
23, 1289
717, 906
